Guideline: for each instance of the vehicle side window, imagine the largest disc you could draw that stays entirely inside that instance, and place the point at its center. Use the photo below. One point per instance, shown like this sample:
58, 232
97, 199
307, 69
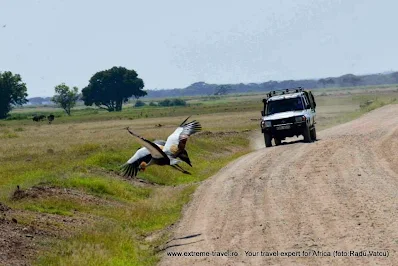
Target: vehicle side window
305, 103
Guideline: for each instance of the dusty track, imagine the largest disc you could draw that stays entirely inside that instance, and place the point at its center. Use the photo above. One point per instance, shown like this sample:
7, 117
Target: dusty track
339, 193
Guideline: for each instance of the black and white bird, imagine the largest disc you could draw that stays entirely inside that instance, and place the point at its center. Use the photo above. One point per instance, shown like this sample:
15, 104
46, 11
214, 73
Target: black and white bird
139, 160
159, 152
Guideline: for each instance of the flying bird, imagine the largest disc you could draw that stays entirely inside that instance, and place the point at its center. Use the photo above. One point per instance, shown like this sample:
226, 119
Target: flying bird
170, 152
139, 160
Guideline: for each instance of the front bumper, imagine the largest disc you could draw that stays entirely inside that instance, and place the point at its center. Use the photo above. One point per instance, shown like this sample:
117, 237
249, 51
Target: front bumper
285, 130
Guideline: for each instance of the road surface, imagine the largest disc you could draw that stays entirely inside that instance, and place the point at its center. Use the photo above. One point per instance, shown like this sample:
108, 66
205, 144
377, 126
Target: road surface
310, 199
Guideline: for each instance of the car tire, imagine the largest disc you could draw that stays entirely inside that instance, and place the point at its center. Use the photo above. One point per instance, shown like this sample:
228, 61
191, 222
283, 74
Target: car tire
313, 134
307, 134
277, 141
267, 140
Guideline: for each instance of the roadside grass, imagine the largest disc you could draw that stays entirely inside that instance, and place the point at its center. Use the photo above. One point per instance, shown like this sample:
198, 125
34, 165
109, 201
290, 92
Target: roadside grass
84, 153
118, 238
109, 244
86, 157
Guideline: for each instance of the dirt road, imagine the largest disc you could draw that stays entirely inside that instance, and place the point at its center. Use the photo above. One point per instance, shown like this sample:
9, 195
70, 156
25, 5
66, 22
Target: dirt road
337, 194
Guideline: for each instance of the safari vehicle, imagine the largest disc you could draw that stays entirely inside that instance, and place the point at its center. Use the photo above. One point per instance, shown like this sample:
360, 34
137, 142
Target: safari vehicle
288, 113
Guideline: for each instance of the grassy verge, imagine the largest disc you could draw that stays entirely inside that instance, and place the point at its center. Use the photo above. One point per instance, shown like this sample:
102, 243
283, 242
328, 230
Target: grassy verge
121, 215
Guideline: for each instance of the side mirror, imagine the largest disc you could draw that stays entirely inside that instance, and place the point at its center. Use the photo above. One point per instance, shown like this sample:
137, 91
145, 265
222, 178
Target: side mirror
262, 113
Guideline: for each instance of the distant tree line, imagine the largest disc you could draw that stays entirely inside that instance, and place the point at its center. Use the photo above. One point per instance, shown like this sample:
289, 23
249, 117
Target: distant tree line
110, 89
348, 80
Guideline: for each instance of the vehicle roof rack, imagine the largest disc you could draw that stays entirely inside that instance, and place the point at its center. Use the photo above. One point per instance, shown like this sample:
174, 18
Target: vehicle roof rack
285, 91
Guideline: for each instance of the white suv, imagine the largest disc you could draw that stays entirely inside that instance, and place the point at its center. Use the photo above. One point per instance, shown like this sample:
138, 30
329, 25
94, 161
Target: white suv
288, 113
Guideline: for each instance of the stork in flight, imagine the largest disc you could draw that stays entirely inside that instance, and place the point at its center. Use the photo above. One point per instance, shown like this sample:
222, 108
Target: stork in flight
160, 152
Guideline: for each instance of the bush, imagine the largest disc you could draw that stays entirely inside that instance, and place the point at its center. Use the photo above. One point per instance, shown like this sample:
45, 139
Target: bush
153, 104
174, 102
164, 103
139, 103
178, 102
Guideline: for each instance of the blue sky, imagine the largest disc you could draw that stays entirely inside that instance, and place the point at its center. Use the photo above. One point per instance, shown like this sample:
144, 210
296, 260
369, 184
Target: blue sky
172, 44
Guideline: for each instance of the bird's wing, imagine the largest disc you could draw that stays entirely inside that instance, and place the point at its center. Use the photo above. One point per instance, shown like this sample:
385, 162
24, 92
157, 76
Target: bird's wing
141, 152
159, 142
132, 167
180, 136
173, 139
155, 151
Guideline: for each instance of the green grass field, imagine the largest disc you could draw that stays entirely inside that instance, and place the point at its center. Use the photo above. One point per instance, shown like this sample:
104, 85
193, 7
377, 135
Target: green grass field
70, 169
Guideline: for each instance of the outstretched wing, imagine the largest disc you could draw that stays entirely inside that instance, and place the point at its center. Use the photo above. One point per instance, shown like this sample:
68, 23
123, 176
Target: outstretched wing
132, 166
155, 151
177, 140
188, 130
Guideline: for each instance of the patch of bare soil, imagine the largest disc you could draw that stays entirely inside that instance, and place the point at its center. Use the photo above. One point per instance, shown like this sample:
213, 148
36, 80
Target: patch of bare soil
46, 191
17, 242
24, 233
312, 199
217, 134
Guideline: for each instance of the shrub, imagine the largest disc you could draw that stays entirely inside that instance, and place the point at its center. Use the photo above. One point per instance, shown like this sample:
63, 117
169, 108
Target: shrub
139, 103
173, 102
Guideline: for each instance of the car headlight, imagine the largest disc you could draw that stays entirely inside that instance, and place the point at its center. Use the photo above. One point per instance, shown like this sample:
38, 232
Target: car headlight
265, 124
300, 119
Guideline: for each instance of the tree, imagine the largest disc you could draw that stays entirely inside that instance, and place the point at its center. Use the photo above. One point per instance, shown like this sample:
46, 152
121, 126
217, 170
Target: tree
65, 97
113, 87
350, 80
326, 82
395, 76
12, 92
139, 103
323, 82
222, 90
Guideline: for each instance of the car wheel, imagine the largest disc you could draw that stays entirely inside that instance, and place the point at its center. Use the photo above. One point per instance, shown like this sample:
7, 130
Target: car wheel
267, 140
307, 134
313, 134
277, 141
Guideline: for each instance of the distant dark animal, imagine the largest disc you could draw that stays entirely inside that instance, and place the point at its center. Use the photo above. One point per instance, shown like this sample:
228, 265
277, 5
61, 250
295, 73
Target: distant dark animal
50, 118
159, 125
39, 118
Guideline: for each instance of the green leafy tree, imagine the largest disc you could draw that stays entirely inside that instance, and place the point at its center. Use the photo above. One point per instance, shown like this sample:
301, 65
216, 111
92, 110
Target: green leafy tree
12, 92
109, 89
65, 97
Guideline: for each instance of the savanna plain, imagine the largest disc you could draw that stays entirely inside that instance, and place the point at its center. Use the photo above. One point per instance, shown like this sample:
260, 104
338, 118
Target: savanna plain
64, 202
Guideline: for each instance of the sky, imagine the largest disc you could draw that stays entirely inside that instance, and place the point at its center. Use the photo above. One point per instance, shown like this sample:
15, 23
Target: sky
174, 43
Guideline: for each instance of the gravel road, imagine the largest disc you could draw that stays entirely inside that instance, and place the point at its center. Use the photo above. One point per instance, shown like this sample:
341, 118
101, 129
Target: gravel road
299, 203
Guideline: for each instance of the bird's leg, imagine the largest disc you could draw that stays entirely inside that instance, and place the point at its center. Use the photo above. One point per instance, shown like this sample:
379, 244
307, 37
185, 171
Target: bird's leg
179, 168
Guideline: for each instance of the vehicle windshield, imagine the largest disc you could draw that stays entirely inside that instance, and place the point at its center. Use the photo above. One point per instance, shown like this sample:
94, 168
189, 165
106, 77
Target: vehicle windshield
284, 105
